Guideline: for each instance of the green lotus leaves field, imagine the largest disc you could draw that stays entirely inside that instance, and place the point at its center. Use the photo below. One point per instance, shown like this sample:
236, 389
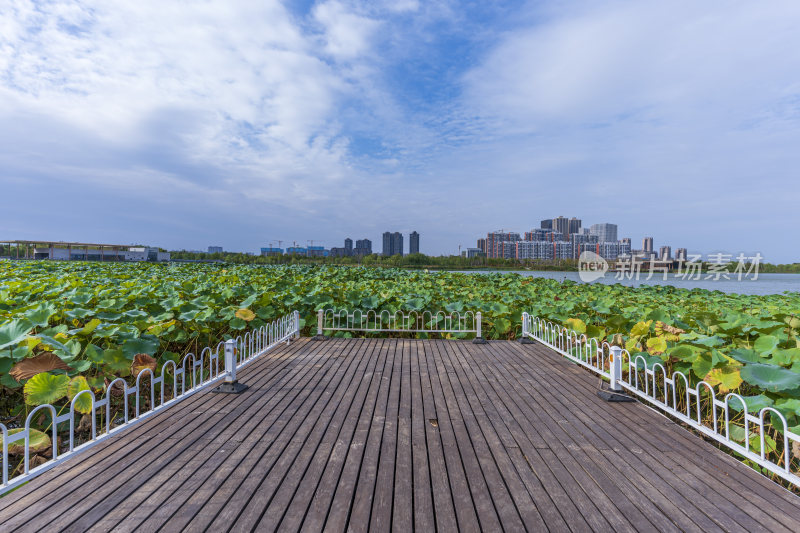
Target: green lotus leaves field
65, 327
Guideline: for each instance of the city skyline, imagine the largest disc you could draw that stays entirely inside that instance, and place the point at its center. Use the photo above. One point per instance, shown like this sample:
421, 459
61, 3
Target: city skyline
154, 123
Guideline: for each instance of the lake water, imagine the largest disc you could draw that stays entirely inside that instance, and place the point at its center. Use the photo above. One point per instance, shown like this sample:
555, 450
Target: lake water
765, 284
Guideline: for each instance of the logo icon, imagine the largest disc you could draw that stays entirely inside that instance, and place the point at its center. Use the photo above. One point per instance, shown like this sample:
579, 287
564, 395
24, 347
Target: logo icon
591, 266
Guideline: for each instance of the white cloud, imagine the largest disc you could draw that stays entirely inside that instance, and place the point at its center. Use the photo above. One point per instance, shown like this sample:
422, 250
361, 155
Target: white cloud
347, 34
633, 60
235, 85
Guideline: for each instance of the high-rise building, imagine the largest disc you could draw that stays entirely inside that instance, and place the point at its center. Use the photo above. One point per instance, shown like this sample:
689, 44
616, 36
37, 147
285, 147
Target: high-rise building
547, 224
561, 225
392, 243
482, 246
605, 232
566, 226
626, 240
665, 253
348, 246
647, 244
271, 251
363, 247
681, 254
574, 226
215, 249
494, 239
413, 242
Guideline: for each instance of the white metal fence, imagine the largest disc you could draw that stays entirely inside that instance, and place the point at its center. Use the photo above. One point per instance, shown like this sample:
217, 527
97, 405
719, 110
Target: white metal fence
194, 373
698, 405
375, 321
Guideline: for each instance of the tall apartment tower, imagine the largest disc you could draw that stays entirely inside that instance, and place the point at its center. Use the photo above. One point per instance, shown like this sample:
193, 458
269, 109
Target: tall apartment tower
626, 240
392, 243
348, 246
647, 244
681, 254
482, 246
363, 247
574, 226
665, 253
605, 232
413, 243
547, 224
561, 225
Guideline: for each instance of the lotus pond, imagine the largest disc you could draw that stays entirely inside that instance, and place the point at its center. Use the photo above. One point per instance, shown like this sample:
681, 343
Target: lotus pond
65, 327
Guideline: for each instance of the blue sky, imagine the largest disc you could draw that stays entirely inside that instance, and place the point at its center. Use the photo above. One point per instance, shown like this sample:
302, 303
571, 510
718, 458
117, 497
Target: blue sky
239, 123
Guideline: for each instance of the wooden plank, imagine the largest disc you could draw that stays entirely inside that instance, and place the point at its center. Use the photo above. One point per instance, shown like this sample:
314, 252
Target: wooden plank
511, 499
483, 390
105, 475
596, 507
729, 513
672, 437
342, 468
459, 493
679, 505
424, 517
352, 487
272, 498
363, 499
113, 450
403, 510
330, 454
381, 515
424, 413
265, 446
484, 505
405, 434
155, 497
541, 392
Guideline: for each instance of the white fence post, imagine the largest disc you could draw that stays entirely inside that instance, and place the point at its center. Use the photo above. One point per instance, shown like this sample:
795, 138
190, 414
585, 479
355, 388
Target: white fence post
320, 336
526, 334
230, 361
614, 392
478, 330
297, 324
229, 384
615, 368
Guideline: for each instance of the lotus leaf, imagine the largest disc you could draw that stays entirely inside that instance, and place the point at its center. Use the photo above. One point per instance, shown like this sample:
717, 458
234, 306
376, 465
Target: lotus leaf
84, 402
38, 441
46, 388
44, 362
769, 377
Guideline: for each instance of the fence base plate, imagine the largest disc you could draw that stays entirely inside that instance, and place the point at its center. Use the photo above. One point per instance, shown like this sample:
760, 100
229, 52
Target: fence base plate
611, 396
319, 338
230, 387
526, 340
479, 340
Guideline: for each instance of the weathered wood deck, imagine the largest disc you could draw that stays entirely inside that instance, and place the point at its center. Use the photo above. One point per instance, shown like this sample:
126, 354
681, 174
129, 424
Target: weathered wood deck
402, 434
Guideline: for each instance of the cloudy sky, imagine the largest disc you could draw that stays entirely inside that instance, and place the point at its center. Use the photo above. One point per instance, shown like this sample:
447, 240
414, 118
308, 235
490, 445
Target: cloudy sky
238, 123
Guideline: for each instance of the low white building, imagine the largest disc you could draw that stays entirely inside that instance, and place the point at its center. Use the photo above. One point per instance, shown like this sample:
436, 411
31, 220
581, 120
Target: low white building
75, 251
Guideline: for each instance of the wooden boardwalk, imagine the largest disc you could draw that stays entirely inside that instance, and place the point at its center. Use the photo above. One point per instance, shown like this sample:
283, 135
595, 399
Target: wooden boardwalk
406, 435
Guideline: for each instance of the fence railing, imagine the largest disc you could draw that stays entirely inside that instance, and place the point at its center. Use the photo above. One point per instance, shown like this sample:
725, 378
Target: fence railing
376, 321
194, 373
696, 405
